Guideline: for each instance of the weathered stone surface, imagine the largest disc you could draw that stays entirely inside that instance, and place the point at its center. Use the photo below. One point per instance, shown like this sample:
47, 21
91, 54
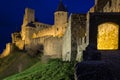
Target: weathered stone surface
53, 47
7, 50
66, 45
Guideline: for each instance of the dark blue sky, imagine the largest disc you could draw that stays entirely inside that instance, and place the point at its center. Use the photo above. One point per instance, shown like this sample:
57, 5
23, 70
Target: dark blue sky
12, 11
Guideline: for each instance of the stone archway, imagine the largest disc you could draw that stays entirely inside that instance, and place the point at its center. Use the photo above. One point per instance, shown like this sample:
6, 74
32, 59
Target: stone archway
108, 36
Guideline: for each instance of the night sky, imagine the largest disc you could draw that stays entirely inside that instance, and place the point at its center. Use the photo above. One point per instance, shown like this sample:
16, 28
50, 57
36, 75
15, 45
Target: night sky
12, 11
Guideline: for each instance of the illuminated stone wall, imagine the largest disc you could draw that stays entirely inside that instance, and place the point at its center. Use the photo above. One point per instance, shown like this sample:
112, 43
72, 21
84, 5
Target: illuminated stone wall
29, 16
20, 44
53, 47
59, 27
28, 34
107, 6
66, 46
108, 36
15, 37
45, 32
17, 40
7, 50
112, 6
41, 26
55, 31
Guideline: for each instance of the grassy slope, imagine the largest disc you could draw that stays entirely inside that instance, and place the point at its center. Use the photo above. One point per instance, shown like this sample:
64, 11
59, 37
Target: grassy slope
14, 63
53, 70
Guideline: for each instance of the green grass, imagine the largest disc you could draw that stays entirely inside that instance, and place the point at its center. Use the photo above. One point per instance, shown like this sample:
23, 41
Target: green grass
14, 63
53, 70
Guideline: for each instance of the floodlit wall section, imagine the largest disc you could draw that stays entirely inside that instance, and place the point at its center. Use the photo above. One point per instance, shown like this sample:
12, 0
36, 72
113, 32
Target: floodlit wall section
108, 35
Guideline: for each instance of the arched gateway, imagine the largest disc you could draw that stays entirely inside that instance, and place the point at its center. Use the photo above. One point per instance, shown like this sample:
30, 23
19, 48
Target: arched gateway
108, 36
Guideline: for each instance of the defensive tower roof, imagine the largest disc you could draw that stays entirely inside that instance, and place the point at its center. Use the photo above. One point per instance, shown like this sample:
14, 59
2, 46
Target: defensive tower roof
61, 7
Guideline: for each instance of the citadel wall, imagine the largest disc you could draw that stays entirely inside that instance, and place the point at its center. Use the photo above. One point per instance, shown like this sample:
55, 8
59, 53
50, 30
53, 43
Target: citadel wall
29, 17
17, 40
15, 37
112, 6
66, 45
78, 35
7, 50
46, 32
20, 44
35, 43
41, 26
28, 34
53, 47
60, 29
55, 30
64, 39
107, 6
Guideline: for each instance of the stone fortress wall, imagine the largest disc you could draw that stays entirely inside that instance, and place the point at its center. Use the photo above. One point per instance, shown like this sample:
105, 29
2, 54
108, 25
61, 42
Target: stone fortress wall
56, 39
106, 6
112, 6
53, 47
66, 47
7, 50
41, 26
66, 38
50, 36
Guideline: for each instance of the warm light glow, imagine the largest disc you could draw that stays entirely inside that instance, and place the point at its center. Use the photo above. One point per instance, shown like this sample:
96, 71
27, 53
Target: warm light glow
107, 36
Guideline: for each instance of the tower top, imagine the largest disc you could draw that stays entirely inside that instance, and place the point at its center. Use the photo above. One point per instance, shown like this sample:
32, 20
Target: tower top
61, 7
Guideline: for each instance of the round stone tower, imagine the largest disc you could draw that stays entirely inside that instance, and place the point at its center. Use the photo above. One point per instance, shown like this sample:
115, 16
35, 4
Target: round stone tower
61, 14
